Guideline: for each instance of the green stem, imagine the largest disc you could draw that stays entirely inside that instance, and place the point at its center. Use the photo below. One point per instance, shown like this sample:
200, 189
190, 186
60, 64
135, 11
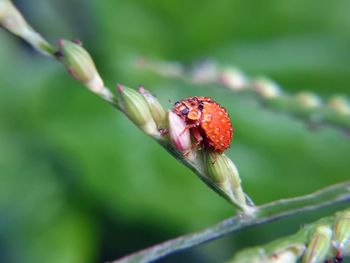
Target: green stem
13, 21
311, 243
335, 112
248, 207
335, 194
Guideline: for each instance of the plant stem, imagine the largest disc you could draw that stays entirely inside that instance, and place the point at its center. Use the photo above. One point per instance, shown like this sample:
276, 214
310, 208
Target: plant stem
303, 105
335, 194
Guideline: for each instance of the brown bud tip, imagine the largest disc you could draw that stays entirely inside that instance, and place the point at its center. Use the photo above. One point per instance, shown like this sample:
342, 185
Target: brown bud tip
142, 90
60, 42
77, 41
58, 54
120, 88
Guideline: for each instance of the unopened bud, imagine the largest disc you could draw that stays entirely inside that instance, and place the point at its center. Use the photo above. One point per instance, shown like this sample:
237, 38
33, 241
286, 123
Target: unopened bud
4, 7
308, 100
168, 69
179, 133
158, 113
233, 79
291, 254
266, 88
136, 108
341, 230
224, 174
251, 255
340, 105
81, 66
318, 246
165, 69
204, 72
12, 20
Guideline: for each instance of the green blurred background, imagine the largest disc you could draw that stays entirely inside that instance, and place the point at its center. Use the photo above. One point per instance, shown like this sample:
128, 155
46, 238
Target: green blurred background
79, 183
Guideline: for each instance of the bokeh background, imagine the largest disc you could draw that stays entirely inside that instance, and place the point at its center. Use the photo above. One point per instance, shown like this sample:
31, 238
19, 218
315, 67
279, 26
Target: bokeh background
80, 183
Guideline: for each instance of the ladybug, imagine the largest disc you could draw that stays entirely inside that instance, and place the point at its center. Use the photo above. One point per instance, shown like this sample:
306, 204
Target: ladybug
208, 122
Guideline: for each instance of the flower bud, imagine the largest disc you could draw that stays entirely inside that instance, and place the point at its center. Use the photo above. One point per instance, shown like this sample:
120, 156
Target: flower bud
204, 72
179, 133
12, 20
158, 113
168, 69
5, 5
136, 108
341, 230
318, 246
224, 174
233, 79
267, 88
165, 69
308, 100
251, 255
291, 254
80, 65
340, 105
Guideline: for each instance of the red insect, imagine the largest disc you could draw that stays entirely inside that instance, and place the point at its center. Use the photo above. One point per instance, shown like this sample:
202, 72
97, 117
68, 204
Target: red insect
208, 122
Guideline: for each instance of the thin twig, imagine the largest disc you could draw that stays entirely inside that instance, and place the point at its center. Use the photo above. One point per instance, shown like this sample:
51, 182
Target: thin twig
325, 240
266, 213
304, 105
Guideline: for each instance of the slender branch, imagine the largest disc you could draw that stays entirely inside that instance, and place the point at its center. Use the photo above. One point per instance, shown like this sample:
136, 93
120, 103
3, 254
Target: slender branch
336, 194
304, 105
326, 240
12, 20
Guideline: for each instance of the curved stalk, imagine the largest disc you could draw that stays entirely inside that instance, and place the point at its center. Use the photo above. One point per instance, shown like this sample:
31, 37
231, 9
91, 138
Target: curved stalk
304, 105
276, 210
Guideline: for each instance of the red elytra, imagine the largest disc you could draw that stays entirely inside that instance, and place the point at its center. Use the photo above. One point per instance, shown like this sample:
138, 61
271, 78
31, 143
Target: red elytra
208, 122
